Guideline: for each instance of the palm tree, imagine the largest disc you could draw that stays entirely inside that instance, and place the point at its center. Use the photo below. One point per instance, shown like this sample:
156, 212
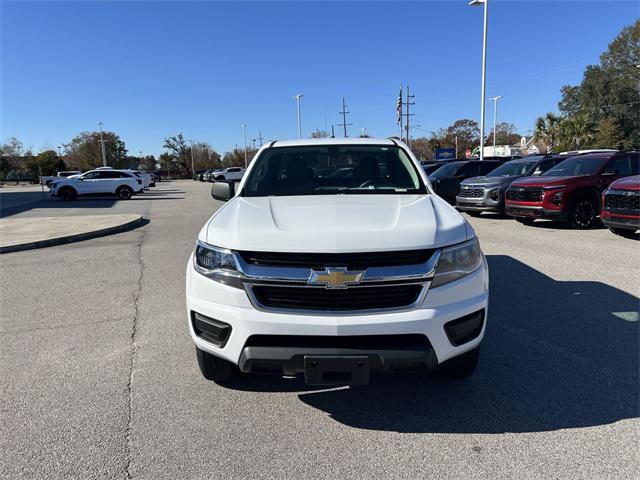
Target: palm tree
548, 129
578, 130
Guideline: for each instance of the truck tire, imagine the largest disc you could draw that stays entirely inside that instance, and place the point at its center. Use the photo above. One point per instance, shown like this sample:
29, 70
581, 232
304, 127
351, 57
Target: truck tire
67, 194
216, 369
624, 232
461, 366
583, 213
124, 193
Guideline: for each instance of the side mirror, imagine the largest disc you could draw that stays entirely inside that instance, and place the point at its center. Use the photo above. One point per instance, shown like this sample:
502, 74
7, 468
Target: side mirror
609, 173
222, 191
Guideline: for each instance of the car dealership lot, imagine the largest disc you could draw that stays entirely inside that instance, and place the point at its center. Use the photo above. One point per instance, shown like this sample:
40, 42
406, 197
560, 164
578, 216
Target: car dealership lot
100, 378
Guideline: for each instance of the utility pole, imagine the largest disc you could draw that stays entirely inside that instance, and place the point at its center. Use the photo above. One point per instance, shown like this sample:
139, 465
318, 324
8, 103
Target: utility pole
297, 99
400, 111
244, 135
344, 113
193, 171
260, 138
408, 103
495, 118
456, 146
333, 133
104, 153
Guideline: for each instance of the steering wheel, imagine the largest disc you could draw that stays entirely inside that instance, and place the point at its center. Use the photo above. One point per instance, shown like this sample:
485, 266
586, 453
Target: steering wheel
375, 183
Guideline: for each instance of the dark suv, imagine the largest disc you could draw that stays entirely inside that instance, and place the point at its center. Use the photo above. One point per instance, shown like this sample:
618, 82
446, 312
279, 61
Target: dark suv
570, 191
446, 180
486, 194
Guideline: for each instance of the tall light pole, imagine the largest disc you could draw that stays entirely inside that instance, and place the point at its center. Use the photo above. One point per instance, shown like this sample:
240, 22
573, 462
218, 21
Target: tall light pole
495, 119
244, 136
59, 155
485, 3
297, 99
104, 153
193, 171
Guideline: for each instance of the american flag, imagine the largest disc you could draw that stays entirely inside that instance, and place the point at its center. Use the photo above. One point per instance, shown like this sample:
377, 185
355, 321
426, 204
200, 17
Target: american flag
399, 107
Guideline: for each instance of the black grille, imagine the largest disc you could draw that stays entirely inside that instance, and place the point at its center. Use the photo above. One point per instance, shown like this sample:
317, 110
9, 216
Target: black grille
322, 299
623, 202
369, 342
471, 193
352, 261
520, 194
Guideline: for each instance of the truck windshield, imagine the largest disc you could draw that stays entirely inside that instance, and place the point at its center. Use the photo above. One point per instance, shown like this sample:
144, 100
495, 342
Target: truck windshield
582, 165
331, 169
512, 169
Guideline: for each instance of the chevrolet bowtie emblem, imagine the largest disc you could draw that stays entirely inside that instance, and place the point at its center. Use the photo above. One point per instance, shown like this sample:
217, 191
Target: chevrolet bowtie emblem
335, 277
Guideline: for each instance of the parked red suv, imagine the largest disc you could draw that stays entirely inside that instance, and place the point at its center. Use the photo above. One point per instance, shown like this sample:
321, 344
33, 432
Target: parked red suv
570, 191
621, 207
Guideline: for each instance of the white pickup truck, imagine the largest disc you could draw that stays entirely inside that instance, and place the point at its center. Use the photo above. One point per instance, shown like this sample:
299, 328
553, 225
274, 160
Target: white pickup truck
48, 180
335, 276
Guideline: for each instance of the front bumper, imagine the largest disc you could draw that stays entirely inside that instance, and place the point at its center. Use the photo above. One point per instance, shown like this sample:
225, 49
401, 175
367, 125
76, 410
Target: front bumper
626, 221
534, 211
233, 307
482, 204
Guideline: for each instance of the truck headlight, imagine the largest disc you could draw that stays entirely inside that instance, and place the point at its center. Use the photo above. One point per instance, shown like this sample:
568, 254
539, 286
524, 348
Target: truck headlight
457, 261
217, 263
494, 194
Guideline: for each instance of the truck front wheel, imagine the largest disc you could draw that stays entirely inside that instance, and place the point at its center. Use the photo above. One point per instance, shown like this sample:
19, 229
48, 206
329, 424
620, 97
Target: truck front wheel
216, 369
461, 366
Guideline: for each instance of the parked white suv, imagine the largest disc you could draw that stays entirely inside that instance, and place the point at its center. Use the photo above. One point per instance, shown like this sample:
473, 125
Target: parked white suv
335, 276
231, 173
98, 182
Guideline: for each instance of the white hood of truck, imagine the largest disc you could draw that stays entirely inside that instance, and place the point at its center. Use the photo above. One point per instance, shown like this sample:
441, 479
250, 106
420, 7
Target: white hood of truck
335, 223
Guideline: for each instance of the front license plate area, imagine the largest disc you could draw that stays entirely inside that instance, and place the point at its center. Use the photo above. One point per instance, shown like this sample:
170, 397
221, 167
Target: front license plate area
336, 370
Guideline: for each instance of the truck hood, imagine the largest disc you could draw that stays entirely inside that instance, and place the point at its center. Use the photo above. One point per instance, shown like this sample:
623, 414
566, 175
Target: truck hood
335, 223
489, 181
542, 181
628, 183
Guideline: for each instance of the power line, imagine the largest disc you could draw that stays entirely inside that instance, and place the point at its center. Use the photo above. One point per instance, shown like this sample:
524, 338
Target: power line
344, 113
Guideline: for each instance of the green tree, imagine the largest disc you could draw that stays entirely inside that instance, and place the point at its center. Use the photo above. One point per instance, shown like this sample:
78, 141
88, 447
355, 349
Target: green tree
505, 134
609, 94
45, 163
84, 152
548, 129
319, 134
180, 152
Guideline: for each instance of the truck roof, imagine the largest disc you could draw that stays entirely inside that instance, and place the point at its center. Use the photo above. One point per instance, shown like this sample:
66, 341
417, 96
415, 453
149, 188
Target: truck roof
332, 141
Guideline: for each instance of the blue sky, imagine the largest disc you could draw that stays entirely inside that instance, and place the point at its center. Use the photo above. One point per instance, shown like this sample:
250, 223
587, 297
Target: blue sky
148, 69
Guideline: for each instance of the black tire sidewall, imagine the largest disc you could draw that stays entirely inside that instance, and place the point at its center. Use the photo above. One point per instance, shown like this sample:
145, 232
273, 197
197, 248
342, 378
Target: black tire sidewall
121, 190
67, 194
574, 207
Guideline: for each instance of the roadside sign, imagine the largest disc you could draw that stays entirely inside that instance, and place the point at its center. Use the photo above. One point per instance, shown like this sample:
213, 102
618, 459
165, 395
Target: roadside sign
445, 153
467, 153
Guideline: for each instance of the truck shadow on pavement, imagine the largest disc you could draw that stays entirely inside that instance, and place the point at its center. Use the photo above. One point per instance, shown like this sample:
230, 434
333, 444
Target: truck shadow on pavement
556, 355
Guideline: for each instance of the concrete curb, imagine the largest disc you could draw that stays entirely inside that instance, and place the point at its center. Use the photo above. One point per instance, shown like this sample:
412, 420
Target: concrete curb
74, 238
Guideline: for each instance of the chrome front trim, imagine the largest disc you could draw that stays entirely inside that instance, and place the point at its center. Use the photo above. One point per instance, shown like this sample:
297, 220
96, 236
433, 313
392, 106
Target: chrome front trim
339, 313
253, 273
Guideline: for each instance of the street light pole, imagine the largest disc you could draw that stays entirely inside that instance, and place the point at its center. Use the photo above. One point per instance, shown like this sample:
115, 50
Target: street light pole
495, 118
244, 136
485, 3
193, 171
297, 99
104, 153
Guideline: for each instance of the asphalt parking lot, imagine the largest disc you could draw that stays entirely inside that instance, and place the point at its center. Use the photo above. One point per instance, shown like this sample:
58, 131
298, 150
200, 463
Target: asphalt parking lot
100, 378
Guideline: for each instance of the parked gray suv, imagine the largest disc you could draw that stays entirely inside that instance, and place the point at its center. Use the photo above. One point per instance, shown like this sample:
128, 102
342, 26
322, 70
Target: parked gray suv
486, 194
